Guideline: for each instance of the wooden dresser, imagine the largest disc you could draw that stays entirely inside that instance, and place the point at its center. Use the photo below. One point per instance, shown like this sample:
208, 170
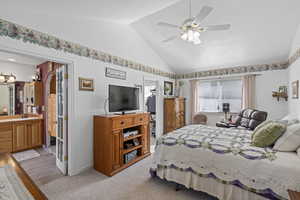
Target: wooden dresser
174, 114
112, 149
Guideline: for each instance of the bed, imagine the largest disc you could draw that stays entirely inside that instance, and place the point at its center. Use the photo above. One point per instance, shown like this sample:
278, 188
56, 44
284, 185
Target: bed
222, 163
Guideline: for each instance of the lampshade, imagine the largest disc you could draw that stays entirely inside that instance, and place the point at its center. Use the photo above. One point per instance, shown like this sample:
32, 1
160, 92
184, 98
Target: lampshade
2, 78
11, 78
226, 107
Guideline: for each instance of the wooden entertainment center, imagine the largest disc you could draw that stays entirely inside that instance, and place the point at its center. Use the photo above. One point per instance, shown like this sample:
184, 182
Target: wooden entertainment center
120, 141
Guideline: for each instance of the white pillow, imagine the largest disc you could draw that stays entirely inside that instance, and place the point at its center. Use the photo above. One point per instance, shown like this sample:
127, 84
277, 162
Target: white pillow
290, 140
298, 152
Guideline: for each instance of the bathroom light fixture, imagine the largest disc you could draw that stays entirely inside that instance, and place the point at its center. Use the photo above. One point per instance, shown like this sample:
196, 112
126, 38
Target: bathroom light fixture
7, 78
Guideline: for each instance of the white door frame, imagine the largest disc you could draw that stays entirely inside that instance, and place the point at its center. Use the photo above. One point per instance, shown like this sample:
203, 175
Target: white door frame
158, 111
71, 87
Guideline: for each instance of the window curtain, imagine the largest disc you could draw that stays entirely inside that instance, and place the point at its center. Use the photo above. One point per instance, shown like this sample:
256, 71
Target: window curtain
194, 97
248, 91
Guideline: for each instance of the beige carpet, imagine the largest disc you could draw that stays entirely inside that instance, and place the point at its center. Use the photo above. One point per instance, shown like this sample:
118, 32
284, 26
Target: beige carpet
134, 183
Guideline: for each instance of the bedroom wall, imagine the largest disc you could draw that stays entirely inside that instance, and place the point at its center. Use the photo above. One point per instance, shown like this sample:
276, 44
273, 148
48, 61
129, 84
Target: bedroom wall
22, 72
115, 39
294, 74
265, 83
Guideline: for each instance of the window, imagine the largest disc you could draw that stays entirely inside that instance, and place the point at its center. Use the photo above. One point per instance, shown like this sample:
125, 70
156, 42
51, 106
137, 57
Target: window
212, 95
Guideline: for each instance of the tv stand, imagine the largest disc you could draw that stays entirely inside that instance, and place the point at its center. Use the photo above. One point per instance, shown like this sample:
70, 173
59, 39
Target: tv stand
112, 151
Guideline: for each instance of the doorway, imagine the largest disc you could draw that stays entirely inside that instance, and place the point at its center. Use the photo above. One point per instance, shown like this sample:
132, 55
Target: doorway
38, 95
150, 106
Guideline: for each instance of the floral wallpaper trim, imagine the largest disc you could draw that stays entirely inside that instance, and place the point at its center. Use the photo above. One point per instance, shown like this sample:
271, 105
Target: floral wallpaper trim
234, 70
19, 32
294, 57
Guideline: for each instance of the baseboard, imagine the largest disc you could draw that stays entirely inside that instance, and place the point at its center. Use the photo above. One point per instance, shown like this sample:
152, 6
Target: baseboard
78, 171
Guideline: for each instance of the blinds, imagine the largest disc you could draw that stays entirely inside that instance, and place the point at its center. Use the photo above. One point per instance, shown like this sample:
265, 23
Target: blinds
212, 94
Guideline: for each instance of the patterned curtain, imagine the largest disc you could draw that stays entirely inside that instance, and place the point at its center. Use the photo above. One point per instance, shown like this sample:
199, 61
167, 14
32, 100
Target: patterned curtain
248, 91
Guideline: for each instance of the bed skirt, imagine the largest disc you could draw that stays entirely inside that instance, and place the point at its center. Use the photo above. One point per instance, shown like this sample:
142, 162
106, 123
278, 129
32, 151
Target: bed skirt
207, 185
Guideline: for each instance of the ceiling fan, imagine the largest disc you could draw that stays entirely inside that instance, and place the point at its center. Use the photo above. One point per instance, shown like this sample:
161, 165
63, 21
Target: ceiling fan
191, 28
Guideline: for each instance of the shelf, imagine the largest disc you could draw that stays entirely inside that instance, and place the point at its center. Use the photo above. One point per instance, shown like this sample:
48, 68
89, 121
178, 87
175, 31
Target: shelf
280, 95
125, 151
132, 137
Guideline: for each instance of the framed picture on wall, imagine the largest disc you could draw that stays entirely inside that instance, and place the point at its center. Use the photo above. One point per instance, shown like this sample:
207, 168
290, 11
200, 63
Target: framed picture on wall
295, 89
168, 88
86, 84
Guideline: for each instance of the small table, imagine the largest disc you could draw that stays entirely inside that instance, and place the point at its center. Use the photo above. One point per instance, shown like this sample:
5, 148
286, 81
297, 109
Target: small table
225, 125
7, 159
294, 195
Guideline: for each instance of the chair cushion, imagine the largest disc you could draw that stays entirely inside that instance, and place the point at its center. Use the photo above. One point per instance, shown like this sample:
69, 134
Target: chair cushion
267, 134
250, 118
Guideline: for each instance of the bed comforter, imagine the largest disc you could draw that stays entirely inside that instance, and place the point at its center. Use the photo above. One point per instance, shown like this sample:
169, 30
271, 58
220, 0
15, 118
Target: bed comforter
227, 156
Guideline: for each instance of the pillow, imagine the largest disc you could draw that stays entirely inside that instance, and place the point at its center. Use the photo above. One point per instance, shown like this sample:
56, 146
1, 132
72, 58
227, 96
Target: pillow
267, 134
290, 120
290, 141
260, 127
298, 152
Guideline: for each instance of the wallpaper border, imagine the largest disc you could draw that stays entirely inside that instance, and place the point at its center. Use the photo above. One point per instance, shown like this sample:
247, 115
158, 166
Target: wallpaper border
18, 32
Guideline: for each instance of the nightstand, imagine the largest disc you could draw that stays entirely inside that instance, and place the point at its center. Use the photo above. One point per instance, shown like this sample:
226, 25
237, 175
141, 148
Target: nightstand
294, 195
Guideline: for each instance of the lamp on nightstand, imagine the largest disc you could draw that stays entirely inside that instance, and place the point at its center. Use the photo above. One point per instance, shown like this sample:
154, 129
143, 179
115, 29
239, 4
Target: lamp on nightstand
226, 109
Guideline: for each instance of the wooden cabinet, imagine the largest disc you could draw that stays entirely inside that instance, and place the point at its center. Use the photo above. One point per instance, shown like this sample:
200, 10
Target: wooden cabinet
33, 94
20, 135
52, 115
174, 114
6, 137
27, 135
109, 142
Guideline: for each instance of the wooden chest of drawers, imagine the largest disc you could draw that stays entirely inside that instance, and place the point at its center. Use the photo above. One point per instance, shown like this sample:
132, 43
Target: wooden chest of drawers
109, 141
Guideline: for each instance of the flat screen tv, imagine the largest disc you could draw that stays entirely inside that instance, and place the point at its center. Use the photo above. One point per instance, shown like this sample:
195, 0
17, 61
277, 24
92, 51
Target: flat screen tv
122, 98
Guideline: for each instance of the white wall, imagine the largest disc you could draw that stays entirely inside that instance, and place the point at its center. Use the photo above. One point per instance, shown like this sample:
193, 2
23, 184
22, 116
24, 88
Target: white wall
294, 74
117, 39
265, 83
83, 105
22, 72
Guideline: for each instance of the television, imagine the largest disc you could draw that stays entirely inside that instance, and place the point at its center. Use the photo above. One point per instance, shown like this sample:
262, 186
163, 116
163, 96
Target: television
122, 98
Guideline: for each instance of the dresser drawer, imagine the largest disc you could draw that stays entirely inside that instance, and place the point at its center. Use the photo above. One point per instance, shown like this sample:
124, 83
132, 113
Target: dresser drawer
141, 119
122, 123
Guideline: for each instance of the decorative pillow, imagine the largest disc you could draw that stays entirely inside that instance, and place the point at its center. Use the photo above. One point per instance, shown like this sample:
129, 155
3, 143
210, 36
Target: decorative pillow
290, 141
267, 134
260, 126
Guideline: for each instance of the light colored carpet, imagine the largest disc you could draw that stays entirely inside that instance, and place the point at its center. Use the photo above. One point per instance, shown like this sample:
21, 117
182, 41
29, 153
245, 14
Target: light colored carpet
26, 155
134, 183
42, 169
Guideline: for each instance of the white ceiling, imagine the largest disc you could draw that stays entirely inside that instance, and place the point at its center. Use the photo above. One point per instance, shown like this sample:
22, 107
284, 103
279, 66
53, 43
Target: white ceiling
121, 11
20, 59
262, 30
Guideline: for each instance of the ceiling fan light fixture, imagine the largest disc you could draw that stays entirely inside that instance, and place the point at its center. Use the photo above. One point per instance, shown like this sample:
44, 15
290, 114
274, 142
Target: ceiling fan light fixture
184, 36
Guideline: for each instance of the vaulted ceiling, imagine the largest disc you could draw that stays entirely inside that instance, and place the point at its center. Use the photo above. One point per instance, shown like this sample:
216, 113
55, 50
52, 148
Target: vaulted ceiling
261, 31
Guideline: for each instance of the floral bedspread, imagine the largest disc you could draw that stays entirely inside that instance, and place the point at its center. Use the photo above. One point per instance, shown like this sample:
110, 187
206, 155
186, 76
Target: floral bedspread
218, 140
228, 156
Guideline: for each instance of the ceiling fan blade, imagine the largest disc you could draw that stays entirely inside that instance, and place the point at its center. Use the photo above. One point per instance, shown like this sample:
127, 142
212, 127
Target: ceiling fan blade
217, 27
170, 39
164, 24
204, 12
